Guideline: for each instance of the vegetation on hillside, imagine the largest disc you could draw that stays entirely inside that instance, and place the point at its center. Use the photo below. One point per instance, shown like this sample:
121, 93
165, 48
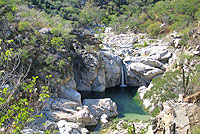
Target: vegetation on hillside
182, 80
27, 61
137, 15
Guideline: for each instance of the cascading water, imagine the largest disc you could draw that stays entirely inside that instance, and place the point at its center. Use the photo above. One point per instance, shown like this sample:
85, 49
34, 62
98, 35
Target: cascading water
123, 76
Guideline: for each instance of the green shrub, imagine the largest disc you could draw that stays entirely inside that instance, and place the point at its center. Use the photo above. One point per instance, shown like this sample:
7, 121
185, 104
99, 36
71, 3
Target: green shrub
23, 26
140, 45
58, 42
154, 29
17, 113
144, 26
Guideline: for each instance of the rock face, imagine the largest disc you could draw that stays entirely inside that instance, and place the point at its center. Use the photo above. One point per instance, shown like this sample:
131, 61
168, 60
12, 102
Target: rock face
90, 76
176, 118
112, 65
147, 102
99, 73
99, 107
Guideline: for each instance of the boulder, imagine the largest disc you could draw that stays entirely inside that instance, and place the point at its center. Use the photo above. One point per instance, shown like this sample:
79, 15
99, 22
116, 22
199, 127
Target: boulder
71, 94
70, 128
66, 105
99, 107
104, 119
84, 117
44, 30
91, 76
145, 60
142, 72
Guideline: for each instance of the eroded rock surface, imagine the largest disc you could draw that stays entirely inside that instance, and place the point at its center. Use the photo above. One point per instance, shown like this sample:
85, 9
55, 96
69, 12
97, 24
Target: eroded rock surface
176, 118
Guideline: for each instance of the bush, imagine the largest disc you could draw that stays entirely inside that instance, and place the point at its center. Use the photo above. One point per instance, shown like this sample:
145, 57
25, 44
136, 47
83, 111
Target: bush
23, 26
154, 29
144, 26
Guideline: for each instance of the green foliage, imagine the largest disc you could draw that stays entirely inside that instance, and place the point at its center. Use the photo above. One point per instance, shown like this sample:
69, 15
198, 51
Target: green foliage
185, 36
154, 29
91, 14
136, 15
58, 42
144, 25
196, 130
61, 65
165, 86
23, 26
19, 112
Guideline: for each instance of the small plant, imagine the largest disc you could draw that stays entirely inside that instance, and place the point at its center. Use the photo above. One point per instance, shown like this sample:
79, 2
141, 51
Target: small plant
61, 65
140, 45
151, 41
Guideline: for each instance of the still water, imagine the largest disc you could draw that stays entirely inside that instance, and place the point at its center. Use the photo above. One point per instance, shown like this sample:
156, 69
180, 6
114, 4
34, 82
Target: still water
127, 107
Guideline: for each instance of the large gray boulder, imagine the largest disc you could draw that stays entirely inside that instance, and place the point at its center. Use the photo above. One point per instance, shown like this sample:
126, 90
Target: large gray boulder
142, 72
71, 94
99, 107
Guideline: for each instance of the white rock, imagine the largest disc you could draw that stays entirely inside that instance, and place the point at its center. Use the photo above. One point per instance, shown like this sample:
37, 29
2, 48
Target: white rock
104, 118
70, 128
141, 69
99, 107
44, 30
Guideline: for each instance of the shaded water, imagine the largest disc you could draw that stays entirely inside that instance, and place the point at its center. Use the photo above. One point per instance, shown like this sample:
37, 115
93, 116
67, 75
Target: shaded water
127, 107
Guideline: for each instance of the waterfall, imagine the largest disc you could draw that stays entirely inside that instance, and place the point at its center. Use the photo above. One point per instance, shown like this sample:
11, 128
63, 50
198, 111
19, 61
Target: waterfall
123, 76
